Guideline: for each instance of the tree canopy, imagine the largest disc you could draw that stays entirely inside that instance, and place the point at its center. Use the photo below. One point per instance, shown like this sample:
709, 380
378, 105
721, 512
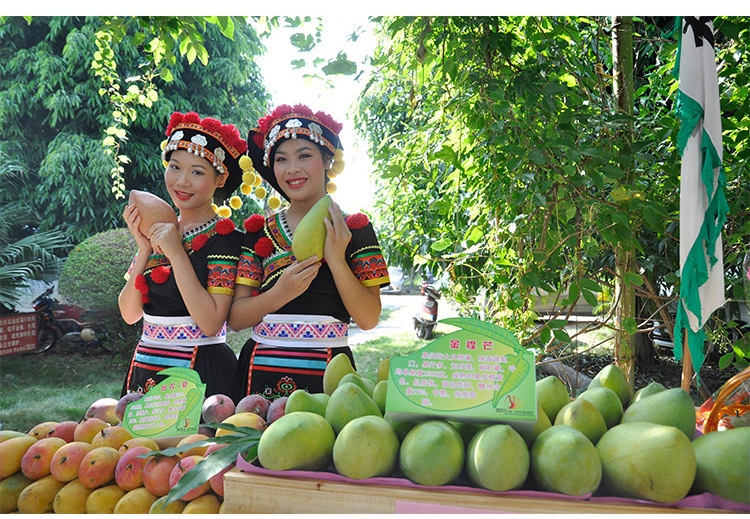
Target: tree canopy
55, 108
503, 138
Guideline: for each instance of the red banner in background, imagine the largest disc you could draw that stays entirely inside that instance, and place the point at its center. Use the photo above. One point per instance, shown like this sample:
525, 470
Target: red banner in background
17, 333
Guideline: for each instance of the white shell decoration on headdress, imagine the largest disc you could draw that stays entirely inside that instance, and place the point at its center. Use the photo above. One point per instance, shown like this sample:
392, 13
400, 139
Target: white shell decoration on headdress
177, 136
199, 140
219, 153
316, 132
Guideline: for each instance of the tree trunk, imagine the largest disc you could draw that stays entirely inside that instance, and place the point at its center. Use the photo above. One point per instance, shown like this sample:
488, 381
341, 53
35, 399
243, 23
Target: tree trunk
644, 346
622, 54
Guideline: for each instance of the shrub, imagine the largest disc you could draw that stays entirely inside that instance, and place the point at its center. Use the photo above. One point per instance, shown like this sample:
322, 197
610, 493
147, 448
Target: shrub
92, 276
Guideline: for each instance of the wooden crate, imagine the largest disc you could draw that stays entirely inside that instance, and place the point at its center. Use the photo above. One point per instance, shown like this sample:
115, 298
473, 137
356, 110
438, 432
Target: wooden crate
260, 493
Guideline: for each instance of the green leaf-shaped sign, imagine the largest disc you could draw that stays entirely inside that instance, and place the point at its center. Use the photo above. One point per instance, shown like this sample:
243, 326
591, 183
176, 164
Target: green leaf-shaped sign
170, 408
480, 373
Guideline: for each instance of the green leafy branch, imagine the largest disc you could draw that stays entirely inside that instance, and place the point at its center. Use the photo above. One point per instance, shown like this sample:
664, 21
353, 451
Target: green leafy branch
158, 37
243, 441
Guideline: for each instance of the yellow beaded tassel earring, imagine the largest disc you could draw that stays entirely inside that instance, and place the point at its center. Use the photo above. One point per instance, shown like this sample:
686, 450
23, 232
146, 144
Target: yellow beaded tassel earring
336, 169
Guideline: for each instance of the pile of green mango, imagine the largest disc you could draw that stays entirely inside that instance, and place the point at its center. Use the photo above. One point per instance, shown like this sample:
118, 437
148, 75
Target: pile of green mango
646, 443
607, 441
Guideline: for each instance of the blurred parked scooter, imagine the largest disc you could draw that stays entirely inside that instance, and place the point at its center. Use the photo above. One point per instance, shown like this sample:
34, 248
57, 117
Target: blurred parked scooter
57, 321
426, 318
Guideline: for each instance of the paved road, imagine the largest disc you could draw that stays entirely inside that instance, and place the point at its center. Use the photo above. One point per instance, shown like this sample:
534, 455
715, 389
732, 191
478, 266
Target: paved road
399, 320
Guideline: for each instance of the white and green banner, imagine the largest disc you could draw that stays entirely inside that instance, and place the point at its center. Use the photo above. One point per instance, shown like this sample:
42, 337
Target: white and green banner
703, 207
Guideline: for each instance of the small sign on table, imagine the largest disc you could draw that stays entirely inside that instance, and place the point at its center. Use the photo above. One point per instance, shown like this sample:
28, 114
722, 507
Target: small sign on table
170, 408
479, 374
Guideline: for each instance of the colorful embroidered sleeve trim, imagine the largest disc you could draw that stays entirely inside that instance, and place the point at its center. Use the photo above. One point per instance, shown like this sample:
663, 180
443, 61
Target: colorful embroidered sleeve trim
275, 230
376, 282
220, 290
222, 271
250, 269
247, 282
369, 266
275, 265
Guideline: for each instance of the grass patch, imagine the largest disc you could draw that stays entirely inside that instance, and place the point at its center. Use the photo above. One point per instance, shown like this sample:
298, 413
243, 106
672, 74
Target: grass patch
385, 313
368, 354
237, 339
55, 387
62, 384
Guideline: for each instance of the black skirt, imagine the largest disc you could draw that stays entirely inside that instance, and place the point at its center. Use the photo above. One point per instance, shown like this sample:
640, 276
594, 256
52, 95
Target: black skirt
275, 372
215, 363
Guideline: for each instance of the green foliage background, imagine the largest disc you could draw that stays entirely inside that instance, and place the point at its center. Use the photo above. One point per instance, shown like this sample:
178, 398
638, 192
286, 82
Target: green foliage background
53, 118
93, 273
503, 139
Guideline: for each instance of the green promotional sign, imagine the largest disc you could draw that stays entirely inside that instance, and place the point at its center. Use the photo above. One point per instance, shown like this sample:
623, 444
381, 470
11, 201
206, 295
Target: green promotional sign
170, 408
479, 374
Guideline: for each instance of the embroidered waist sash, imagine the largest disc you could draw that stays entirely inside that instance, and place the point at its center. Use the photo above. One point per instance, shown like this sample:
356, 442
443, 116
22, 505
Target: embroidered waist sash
301, 331
181, 331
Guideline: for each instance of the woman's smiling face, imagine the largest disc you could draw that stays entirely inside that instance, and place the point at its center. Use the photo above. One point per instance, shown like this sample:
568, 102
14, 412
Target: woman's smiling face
190, 180
300, 168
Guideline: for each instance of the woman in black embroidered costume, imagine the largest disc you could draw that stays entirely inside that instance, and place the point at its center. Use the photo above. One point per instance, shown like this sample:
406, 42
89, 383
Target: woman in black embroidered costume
300, 310
181, 281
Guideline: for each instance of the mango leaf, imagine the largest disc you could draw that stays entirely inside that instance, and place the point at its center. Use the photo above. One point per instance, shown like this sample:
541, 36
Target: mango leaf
630, 325
632, 278
243, 440
441, 244
340, 65
211, 465
544, 335
240, 434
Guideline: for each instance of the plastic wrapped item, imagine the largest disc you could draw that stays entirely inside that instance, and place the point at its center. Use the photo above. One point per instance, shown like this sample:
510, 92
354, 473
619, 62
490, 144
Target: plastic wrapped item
729, 407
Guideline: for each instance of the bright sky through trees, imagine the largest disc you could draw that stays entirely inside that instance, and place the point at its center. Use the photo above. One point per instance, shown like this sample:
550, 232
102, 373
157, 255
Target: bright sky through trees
333, 94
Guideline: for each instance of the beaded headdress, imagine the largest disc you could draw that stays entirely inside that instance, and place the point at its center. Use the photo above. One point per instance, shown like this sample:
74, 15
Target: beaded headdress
208, 138
292, 122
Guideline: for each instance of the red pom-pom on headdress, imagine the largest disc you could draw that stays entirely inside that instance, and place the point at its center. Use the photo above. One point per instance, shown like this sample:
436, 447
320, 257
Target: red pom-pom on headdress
174, 120
281, 110
224, 226
211, 124
254, 223
192, 118
228, 133
329, 121
357, 221
264, 247
302, 109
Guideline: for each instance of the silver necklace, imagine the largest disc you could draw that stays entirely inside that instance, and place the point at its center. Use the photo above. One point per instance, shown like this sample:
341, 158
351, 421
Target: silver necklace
200, 228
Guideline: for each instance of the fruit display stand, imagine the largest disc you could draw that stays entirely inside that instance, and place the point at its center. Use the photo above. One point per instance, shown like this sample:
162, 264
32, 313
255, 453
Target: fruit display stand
257, 490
